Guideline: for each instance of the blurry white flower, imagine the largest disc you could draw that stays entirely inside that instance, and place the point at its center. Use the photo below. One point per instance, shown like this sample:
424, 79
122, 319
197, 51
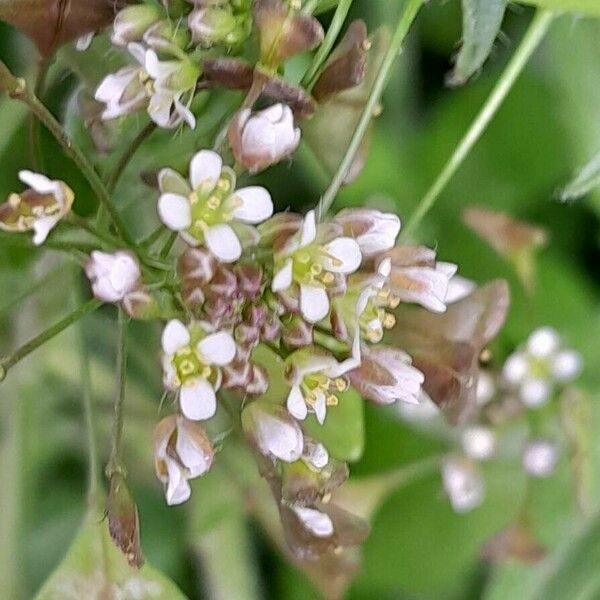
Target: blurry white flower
316, 381
191, 361
463, 484
208, 208
37, 209
315, 521
540, 458
534, 370
374, 231
312, 266
486, 388
181, 452
113, 276
478, 442
261, 139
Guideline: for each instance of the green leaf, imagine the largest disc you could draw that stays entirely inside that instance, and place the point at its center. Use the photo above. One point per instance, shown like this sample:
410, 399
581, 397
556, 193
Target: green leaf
591, 7
94, 568
584, 182
343, 432
481, 23
575, 574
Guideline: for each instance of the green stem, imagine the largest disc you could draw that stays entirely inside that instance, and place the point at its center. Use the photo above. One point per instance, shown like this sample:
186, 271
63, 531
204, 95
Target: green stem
115, 464
411, 8
10, 361
534, 35
337, 22
168, 245
18, 89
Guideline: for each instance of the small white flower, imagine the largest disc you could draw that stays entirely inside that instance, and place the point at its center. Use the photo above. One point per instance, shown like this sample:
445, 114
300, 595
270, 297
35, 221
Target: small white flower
534, 370
38, 209
486, 388
261, 139
374, 231
206, 210
315, 521
463, 484
478, 442
540, 458
312, 266
113, 276
317, 380
181, 452
191, 363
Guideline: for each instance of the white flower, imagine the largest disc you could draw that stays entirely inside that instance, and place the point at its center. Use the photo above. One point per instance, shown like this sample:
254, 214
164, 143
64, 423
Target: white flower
374, 231
540, 458
273, 431
261, 139
312, 266
534, 370
316, 380
191, 361
315, 521
127, 90
478, 442
38, 209
463, 484
181, 452
204, 210
113, 276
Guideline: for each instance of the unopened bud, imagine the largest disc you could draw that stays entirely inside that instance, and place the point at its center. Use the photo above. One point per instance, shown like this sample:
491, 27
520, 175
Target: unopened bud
132, 22
166, 35
217, 25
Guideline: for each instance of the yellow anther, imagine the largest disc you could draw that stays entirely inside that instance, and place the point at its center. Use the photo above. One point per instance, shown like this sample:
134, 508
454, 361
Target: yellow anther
213, 202
384, 293
206, 372
224, 184
186, 368
341, 384
328, 278
393, 301
194, 198
326, 498
332, 400
389, 321
316, 269
14, 200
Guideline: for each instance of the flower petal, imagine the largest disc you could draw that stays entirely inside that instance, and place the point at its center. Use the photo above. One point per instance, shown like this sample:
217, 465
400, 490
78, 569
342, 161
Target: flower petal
318, 523
205, 170
223, 243
42, 227
283, 278
171, 181
217, 348
197, 400
314, 303
256, 204
175, 211
278, 436
296, 404
174, 337
320, 407
308, 233
178, 489
343, 255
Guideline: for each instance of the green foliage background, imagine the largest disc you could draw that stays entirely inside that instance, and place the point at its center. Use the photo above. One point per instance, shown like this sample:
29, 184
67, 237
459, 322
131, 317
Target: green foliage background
419, 549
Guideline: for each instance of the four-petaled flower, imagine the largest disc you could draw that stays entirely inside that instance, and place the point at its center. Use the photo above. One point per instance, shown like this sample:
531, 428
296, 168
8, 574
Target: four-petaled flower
191, 362
39, 208
312, 265
209, 209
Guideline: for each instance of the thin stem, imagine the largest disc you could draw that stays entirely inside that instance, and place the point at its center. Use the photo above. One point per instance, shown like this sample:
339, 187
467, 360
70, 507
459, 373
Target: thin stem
534, 35
35, 143
411, 8
128, 154
153, 237
164, 251
10, 361
115, 464
18, 89
337, 22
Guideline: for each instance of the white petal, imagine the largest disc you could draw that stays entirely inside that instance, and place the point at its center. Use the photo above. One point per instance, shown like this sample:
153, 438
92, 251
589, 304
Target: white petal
198, 400
296, 404
463, 484
282, 439
223, 242
159, 109
535, 392
540, 458
256, 204
308, 233
318, 523
104, 291
314, 303
175, 211
316, 454
515, 368
171, 181
344, 255
283, 278
543, 342
566, 365
138, 52
42, 227
205, 169
40, 183
191, 455
217, 348
174, 337
320, 407
178, 488
125, 273
478, 442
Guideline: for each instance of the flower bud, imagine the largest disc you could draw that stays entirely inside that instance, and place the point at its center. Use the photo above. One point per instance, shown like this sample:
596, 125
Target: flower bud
217, 25
463, 484
540, 458
113, 276
131, 23
273, 431
123, 521
166, 36
373, 230
478, 442
264, 138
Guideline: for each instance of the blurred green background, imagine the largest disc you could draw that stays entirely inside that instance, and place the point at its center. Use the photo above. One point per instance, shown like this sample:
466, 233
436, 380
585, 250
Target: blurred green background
419, 548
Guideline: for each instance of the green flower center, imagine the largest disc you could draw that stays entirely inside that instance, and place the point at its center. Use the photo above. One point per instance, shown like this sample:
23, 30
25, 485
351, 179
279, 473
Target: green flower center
315, 384
189, 366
